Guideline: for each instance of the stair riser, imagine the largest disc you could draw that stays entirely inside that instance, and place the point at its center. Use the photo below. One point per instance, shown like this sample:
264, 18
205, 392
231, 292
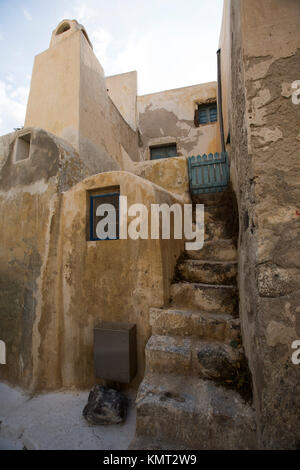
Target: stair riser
210, 366
215, 367
209, 299
169, 425
214, 252
168, 363
207, 273
215, 231
164, 323
194, 432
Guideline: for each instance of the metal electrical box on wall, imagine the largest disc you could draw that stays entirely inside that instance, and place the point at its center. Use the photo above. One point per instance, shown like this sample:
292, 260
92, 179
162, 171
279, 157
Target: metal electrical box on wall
115, 351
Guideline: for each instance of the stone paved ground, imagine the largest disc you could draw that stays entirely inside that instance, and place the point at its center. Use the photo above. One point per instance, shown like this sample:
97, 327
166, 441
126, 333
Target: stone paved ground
54, 421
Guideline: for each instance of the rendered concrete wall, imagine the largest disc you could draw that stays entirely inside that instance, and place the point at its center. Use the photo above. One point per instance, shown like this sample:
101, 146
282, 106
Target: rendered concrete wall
68, 97
112, 280
29, 200
168, 117
54, 284
169, 173
265, 147
53, 102
122, 89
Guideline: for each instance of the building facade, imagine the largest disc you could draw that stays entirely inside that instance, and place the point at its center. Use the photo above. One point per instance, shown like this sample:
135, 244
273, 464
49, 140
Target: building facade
88, 135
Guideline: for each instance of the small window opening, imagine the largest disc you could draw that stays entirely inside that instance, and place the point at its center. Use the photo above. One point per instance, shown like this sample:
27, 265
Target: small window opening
63, 28
163, 151
206, 114
104, 214
22, 147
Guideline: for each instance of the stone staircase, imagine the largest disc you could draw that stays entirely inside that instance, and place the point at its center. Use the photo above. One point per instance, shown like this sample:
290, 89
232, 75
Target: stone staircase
196, 386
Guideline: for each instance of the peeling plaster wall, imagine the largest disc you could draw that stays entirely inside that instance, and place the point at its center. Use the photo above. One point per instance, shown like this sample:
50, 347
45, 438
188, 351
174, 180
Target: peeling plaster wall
169, 173
54, 284
168, 117
112, 280
30, 203
265, 149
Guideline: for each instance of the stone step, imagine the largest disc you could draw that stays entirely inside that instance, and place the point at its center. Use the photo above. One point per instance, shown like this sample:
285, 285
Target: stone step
204, 297
191, 356
193, 413
207, 272
215, 230
215, 326
218, 250
213, 213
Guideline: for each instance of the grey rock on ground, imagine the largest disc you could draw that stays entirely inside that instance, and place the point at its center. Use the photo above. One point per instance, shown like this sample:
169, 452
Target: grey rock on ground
105, 406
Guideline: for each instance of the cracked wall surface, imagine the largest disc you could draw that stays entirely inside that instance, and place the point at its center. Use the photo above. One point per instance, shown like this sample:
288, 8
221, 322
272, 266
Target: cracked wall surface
55, 284
168, 117
265, 148
30, 205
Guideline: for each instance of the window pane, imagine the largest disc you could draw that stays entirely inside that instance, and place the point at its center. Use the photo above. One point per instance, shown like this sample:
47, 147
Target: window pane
95, 202
207, 113
213, 113
202, 115
164, 151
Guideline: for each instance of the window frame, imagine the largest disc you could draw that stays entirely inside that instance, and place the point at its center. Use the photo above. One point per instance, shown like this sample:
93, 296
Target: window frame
91, 198
207, 107
160, 146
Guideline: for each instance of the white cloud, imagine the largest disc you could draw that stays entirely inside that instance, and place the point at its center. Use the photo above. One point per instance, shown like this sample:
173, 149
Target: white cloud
101, 39
12, 106
84, 13
81, 12
162, 64
27, 15
10, 78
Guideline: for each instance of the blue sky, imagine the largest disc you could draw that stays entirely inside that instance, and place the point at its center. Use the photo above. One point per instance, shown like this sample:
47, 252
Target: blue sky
171, 43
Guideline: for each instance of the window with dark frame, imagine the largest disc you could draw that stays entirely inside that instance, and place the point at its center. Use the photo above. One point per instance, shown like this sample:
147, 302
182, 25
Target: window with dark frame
95, 200
163, 151
206, 114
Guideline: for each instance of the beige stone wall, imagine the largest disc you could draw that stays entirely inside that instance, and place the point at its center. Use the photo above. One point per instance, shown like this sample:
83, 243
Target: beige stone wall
265, 146
122, 89
168, 117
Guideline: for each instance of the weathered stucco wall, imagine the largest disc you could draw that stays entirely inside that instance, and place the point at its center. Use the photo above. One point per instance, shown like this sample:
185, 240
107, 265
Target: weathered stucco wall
169, 173
225, 46
168, 117
68, 97
122, 89
54, 284
112, 280
29, 200
265, 149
